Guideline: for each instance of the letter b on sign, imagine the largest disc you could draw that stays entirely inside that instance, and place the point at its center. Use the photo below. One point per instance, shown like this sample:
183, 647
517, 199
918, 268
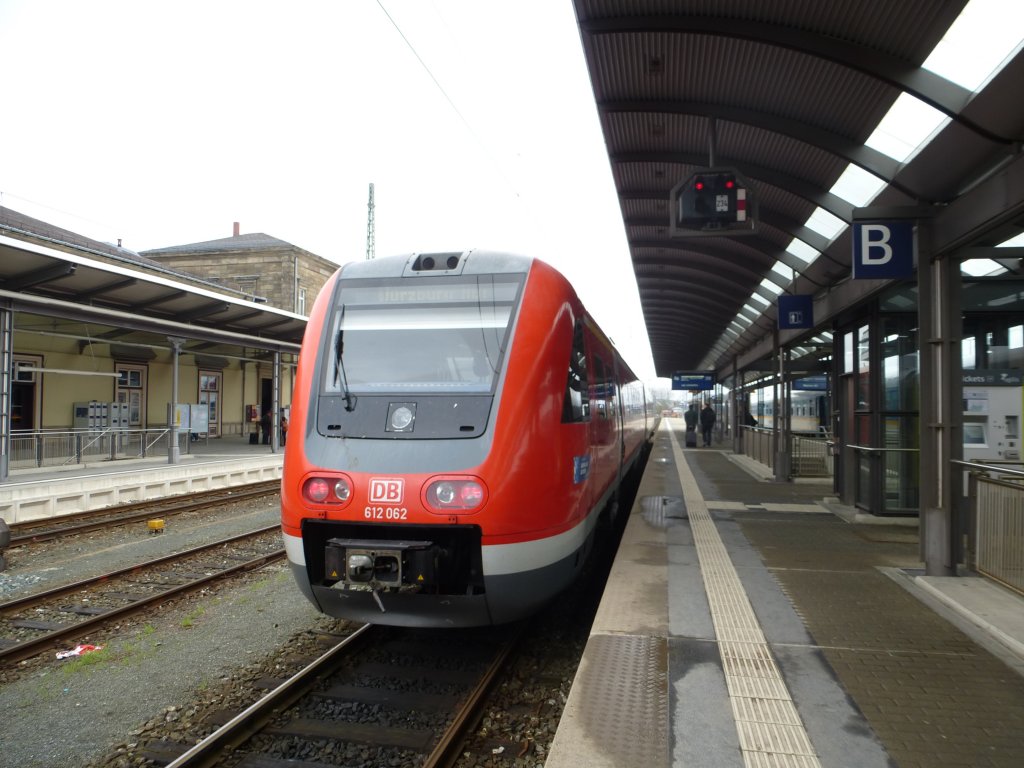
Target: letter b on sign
883, 249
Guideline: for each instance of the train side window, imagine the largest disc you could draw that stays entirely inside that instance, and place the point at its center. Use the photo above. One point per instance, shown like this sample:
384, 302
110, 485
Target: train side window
600, 388
576, 404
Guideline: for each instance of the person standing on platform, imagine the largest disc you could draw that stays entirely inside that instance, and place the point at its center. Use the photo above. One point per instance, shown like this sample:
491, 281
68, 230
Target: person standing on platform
691, 426
266, 423
690, 417
707, 423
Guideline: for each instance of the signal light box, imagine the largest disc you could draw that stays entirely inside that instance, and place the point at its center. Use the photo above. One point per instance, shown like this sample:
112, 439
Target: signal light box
713, 201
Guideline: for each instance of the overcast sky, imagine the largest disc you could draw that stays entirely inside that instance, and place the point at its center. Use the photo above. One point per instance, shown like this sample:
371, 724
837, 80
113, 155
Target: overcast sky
163, 123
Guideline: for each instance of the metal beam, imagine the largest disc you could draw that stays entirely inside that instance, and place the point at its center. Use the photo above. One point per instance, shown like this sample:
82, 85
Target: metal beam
945, 96
871, 160
802, 188
40, 276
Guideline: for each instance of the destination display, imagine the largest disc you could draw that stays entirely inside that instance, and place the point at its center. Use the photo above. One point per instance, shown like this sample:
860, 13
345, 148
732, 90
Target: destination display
693, 380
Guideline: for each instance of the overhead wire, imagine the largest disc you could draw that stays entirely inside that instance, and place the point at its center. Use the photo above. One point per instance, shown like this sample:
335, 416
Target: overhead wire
451, 102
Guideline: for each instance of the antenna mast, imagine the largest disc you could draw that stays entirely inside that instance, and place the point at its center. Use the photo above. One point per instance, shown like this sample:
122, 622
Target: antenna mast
371, 244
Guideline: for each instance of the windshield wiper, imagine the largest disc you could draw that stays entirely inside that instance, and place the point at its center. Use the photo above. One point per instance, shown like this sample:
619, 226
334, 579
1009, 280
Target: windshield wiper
339, 363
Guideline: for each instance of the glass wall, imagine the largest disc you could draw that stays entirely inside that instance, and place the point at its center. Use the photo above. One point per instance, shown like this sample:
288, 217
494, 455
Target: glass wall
900, 406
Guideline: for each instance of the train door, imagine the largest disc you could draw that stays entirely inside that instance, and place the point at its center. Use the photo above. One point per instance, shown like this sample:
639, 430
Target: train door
604, 421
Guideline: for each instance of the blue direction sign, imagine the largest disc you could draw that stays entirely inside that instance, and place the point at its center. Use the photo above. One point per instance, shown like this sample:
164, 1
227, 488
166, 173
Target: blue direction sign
796, 311
811, 384
693, 380
883, 249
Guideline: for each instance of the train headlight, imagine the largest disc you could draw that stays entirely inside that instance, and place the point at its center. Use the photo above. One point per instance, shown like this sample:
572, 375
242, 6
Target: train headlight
342, 490
455, 495
401, 417
446, 493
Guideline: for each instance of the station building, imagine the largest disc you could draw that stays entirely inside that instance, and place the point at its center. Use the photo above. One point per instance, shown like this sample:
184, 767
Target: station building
98, 341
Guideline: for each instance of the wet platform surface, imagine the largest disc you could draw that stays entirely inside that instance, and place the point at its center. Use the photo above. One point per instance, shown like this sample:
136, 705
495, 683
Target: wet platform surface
747, 622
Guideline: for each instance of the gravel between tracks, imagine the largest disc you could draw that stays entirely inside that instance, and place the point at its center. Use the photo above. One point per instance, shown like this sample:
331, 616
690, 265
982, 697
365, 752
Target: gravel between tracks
68, 713
161, 678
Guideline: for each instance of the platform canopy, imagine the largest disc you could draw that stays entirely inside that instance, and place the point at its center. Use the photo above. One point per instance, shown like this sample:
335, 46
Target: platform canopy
791, 93
133, 309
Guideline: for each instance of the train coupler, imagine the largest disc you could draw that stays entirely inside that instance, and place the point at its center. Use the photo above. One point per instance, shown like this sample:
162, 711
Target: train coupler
379, 564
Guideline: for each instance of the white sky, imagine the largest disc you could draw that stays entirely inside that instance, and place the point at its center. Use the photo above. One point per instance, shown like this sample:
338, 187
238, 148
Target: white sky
162, 123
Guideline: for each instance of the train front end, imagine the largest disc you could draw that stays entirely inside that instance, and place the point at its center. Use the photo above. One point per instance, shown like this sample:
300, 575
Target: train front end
383, 494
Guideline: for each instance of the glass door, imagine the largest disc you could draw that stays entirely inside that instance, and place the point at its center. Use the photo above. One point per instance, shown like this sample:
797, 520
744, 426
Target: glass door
899, 415
209, 395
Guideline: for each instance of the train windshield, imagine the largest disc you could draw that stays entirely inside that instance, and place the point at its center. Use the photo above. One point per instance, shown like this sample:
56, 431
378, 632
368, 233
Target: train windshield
425, 335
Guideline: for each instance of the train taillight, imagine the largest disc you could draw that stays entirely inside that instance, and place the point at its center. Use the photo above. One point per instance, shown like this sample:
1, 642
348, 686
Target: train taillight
327, 490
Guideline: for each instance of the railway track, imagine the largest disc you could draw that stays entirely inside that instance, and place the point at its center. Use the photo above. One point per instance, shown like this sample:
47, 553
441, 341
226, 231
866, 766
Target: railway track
381, 696
125, 514
32, 624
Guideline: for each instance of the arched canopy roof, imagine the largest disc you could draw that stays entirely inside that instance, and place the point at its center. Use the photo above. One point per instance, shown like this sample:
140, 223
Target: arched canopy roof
788, 92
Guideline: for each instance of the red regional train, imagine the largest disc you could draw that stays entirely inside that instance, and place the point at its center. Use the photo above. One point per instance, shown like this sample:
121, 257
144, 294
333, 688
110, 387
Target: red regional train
459, 425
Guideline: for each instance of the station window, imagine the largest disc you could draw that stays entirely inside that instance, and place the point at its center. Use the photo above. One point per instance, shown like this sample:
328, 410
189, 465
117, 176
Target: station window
131, 389
210, 383
248, 284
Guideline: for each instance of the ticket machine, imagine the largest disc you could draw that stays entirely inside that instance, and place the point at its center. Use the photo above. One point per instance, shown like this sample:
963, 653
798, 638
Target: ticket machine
992, 415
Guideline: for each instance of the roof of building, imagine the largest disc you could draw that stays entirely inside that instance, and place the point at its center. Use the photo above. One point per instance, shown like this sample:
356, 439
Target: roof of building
22, 227
19, 225
255, 241
82, 283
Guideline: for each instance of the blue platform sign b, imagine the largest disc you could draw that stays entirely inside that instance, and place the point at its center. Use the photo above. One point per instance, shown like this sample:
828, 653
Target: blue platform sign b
883, 249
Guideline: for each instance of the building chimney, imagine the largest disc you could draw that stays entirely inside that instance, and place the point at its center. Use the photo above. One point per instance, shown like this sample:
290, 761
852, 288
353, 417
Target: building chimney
236, 229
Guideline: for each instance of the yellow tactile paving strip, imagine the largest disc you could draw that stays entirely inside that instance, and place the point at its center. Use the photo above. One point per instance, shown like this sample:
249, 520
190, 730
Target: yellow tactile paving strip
769, 727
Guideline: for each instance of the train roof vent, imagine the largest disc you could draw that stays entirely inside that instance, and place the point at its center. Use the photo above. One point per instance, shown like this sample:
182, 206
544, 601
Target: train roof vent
436, 262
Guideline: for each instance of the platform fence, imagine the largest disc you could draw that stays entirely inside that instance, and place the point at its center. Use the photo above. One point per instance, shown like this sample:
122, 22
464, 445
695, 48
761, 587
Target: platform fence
61, 448
810, 454
997, 521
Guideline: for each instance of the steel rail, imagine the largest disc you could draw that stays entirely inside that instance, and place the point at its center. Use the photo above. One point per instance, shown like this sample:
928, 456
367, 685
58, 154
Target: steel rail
37, 597
448, 749
247, 722
233, 734
29, 648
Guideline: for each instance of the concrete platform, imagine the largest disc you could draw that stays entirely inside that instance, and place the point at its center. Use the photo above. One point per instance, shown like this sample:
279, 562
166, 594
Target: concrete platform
32, 494
746, 623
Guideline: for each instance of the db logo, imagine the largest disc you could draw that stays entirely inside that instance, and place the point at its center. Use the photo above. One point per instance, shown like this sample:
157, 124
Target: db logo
386, 490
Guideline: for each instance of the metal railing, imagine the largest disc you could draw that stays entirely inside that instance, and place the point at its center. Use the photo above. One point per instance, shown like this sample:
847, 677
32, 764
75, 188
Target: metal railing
757, 444
996, 493
810, 455
59, 448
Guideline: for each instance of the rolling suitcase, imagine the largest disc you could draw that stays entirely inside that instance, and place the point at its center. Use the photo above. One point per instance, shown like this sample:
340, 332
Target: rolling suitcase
691, 438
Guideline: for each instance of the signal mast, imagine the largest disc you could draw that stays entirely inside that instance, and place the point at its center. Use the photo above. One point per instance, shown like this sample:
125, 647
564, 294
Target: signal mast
371, 245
